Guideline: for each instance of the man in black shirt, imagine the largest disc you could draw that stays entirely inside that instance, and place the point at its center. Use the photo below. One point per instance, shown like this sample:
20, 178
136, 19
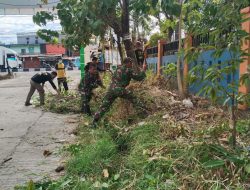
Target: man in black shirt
37, 83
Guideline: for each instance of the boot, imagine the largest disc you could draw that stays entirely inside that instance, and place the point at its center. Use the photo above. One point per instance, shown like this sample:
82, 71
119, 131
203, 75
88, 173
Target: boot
86, 110
93, 125
28, 104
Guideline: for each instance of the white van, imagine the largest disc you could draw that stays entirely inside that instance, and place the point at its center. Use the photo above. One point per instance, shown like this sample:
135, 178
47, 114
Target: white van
9, 57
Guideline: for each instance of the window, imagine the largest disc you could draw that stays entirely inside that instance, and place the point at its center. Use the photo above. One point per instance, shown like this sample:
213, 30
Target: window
36, 40
23, 51
31, 49
11, 57
28, 40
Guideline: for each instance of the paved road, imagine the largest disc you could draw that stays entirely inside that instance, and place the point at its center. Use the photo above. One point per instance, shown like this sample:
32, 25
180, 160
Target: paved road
25, 132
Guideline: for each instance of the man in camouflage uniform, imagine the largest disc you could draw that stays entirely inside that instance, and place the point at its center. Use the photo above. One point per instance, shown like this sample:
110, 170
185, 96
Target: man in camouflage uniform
95, 63
90, 81
120, 80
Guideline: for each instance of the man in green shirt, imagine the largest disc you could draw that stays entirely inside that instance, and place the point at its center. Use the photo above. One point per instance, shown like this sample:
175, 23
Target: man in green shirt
120, 80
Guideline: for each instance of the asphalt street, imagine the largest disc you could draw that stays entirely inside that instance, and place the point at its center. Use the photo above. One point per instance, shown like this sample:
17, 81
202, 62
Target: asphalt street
25, 132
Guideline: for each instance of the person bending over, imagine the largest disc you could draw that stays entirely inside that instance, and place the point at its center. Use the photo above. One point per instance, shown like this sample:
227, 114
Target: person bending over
37, 83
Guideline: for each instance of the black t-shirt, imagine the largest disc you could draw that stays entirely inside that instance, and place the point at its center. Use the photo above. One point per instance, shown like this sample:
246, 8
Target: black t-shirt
139, 56
42, 78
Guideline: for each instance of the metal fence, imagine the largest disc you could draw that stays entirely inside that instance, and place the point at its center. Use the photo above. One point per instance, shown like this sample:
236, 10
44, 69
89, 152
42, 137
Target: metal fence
152, 52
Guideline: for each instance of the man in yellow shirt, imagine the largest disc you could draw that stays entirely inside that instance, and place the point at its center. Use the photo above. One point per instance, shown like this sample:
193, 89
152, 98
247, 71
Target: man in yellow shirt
61, 75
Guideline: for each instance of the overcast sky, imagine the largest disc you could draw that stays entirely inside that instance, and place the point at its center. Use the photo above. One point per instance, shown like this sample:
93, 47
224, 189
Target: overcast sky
10, 25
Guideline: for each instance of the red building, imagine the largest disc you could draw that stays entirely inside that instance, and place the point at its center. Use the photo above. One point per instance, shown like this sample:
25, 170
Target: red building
31, 61
48, 55
51, 49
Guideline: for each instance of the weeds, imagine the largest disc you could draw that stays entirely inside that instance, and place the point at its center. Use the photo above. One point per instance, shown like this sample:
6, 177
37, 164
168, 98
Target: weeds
164, 151
6, 76
93, 158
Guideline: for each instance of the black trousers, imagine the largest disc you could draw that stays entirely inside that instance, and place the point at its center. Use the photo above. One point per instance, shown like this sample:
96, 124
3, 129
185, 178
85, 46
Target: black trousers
64, 82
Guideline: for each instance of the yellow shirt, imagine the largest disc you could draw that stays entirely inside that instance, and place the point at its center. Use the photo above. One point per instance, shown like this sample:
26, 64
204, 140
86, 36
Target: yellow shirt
60, 70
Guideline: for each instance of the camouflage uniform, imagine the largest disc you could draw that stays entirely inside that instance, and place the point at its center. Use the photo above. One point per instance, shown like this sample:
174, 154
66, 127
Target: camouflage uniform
120, 79
88, 84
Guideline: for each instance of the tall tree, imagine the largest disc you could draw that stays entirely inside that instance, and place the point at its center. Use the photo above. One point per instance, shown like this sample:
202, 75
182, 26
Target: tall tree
82, 19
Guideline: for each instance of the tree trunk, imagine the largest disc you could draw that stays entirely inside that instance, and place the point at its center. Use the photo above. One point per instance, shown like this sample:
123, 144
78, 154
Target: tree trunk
119, 47
179, 74
134, 35
129, 48
233, 122
138, 32
187, 46
233, 118
170, 33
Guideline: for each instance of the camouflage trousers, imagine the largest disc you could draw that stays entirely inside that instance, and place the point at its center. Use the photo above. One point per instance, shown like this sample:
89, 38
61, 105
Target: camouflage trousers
85, 99
111, 96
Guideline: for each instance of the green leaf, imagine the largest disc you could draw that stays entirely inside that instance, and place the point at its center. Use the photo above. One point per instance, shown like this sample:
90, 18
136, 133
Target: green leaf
31, 185
105, 185
226, 101
213, 94
247, 168
235, 159
116, 177
211, 164
97, 184
65, 183
219, 149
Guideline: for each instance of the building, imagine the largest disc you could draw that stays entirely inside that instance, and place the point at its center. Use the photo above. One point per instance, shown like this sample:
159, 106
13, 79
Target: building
51, 49
36, 53
29, 38
25, 49
31, 61
32, 38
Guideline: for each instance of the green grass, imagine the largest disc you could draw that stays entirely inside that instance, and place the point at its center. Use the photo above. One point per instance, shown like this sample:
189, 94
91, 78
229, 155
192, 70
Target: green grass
150, 161
93, 158
159, 154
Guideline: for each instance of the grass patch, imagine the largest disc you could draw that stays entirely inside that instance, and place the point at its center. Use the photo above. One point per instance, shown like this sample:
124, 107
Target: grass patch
173, 148
93, 158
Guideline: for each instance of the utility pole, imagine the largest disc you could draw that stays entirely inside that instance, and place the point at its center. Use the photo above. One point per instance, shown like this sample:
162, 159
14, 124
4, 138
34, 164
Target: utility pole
82, 62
